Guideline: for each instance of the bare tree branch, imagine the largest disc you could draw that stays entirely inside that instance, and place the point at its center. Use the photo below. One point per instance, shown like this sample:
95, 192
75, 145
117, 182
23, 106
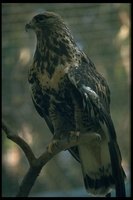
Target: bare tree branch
36, 164
19, 141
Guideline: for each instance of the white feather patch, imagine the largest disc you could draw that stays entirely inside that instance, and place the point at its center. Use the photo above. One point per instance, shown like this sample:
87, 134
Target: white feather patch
95, 156
92, 94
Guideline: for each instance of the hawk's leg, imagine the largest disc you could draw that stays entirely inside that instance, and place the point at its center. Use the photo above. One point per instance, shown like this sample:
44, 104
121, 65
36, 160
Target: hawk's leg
57, 121
54, 141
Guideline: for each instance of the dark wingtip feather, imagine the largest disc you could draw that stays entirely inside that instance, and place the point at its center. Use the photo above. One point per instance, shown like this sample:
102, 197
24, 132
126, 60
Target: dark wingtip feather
117, 169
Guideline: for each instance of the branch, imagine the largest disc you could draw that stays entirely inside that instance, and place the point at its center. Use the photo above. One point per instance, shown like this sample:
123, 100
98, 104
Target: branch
19, 141
65, 144
36, 164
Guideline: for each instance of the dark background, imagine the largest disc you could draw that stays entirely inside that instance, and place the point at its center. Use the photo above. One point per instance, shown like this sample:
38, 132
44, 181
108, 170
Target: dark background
102, 31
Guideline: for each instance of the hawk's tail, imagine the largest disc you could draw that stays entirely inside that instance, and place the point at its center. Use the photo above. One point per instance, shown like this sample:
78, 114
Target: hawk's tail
97, 167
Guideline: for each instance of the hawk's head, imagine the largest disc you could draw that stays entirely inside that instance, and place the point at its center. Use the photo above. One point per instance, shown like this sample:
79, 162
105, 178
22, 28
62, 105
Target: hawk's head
48, 22
53, 35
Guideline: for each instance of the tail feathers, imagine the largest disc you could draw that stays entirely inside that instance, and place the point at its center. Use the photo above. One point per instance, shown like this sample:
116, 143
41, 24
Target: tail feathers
101, 167
99, 186
96, 168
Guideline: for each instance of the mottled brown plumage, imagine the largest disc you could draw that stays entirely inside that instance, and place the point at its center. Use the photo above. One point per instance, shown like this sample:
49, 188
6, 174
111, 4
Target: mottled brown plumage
72, 96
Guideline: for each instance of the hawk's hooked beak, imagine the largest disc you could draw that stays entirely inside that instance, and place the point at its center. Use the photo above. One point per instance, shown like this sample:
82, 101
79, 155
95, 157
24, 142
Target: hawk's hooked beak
27, 26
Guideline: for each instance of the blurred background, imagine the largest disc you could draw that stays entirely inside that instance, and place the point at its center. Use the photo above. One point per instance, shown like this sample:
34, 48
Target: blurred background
102, 31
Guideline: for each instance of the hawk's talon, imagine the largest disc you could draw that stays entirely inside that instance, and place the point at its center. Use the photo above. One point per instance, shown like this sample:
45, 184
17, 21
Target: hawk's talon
73, 134
98, 136
51, 144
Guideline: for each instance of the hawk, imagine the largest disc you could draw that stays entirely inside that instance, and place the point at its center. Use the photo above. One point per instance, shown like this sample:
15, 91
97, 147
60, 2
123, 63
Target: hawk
72, 97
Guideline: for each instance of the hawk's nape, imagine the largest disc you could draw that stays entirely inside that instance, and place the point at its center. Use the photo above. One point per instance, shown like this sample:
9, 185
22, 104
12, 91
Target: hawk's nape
70, 94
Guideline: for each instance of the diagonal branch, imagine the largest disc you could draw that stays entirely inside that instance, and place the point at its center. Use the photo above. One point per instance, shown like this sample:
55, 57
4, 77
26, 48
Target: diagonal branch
36, 164
19, 141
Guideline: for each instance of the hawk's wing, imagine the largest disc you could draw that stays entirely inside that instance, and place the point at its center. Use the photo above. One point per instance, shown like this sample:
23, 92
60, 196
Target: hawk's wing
96, 100
96, 96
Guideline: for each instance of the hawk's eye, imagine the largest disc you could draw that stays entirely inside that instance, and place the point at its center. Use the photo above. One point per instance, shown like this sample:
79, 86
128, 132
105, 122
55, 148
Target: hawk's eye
40, 18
